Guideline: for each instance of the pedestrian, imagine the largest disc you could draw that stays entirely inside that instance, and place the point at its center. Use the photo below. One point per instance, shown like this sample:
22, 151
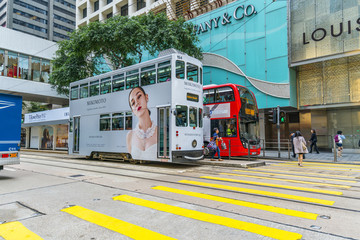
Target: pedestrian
217, 140
292, 135
300, 147
313, 141
339, 137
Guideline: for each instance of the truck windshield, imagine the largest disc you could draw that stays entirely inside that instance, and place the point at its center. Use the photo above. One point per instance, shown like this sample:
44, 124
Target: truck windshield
248, 117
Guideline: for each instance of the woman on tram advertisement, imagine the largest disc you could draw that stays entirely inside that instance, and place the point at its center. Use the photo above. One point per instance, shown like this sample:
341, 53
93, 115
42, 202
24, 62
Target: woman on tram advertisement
142, 141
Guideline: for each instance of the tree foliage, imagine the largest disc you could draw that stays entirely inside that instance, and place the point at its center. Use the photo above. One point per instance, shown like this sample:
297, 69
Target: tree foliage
121, 41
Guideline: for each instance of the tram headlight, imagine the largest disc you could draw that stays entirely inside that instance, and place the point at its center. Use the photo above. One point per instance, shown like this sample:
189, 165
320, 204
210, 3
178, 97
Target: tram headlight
194, 143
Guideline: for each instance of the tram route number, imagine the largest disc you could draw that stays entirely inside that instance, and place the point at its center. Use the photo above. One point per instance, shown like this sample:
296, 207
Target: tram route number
12, 149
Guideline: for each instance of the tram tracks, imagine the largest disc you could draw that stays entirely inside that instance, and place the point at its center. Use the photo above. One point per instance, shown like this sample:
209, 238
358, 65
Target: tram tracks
170, 180
183, 184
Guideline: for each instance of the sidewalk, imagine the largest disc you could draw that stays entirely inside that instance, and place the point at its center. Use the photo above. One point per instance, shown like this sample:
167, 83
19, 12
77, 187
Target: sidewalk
347, 157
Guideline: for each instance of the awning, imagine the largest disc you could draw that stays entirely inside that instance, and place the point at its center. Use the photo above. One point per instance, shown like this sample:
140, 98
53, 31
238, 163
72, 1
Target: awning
44, 123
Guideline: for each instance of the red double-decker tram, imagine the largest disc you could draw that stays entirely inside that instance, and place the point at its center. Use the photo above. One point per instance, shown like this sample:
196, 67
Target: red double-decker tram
233, 110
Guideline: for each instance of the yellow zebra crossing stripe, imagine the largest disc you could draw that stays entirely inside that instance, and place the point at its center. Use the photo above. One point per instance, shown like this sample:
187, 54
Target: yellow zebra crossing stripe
260, 192
116, 225
259, 206
321, 167
298, 176
288, 180
17, 231
330, 164
211, 218
275, 185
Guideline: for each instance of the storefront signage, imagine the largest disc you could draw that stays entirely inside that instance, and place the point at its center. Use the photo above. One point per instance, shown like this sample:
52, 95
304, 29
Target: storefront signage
323, 30
51, 115
335, 30
239, 13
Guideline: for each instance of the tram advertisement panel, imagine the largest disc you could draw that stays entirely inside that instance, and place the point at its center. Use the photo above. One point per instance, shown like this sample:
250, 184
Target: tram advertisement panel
123, 121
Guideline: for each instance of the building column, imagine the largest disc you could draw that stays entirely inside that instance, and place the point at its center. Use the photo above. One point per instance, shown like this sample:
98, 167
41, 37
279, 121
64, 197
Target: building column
262, 124
51, 21
148, 4
54, 137
132, 7
27, 138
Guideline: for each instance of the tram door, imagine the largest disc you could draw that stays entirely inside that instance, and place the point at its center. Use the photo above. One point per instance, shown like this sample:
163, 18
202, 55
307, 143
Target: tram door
76, 134
163, 132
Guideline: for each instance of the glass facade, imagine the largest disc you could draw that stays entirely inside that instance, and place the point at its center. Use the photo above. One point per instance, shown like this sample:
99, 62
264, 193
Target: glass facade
22, 66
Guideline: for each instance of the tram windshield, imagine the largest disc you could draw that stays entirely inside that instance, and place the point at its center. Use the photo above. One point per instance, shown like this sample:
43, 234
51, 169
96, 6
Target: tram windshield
248, 117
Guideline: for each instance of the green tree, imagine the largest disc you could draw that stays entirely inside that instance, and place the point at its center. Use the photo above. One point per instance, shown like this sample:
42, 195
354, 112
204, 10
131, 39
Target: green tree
121, 41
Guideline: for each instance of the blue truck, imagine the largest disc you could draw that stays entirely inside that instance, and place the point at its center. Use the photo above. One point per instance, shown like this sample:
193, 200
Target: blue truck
10, 129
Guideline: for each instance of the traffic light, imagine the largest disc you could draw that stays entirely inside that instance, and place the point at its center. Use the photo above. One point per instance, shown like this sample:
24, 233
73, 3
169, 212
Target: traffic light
282, 117
273, 116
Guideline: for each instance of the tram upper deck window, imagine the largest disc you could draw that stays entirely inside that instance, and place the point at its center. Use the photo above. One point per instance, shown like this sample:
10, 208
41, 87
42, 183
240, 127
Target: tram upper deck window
148, 75
180, 69
132, 79
118, 82
192, 72
105, 86
128, 121
193, 117
181, 116
74, 93
164, 72
105, 122
84, 90
118, 121
94, 88
209, 96
224, 94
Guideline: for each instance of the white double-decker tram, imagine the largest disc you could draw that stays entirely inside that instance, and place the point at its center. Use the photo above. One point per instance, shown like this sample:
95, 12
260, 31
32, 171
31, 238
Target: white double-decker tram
150, 111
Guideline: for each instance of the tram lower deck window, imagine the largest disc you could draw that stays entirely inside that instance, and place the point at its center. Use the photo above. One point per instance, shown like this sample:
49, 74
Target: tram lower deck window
193, 116
181, 116
118, 121
105, 122
128, 121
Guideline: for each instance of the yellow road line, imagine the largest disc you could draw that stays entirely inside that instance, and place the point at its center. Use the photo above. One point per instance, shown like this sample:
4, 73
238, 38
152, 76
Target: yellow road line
261, 192
319, 167
330, 164
275, 185
263, 207
305, 173
288, 180
125, 228
211, 218
17, 231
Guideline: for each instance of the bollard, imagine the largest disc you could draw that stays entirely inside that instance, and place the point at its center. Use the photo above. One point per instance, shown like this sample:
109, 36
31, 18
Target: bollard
335, 151
264, 148
248, 145
288, 149
229, 150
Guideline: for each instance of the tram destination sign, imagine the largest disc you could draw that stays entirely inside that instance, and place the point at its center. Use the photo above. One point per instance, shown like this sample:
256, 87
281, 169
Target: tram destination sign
240, 13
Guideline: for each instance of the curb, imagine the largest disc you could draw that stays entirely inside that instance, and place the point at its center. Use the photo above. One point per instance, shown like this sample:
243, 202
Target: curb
238, 165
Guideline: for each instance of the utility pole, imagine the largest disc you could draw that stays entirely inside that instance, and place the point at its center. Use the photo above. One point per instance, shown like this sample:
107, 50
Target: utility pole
278, 129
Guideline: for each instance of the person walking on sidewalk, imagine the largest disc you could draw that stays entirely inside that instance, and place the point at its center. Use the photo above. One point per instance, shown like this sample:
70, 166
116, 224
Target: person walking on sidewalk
300, 147
216, 139
313, 141
339, 137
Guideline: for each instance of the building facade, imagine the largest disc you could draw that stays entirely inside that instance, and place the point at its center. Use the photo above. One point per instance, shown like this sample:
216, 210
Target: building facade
25, 67
325, 54
245, 42
47, 19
